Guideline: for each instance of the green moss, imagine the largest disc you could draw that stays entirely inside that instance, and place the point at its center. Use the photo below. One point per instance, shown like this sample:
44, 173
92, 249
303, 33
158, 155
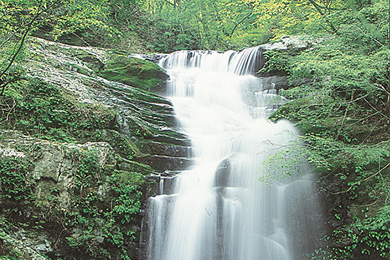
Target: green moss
82, 70
122, 144
127, 177
16, 191
109, 210
133, 166
98, 219
142, 96
38, 108
90, 60
98, 222
131, 71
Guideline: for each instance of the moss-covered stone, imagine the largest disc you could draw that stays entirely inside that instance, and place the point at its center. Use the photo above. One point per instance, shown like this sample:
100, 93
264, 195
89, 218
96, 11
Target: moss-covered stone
81, 173
131, 71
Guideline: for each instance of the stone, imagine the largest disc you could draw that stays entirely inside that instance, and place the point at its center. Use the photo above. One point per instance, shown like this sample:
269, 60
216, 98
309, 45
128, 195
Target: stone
161, 163
144, 121
290, 42
222, 173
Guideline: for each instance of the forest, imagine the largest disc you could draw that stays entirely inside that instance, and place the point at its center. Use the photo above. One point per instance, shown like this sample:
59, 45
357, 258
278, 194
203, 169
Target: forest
339, 94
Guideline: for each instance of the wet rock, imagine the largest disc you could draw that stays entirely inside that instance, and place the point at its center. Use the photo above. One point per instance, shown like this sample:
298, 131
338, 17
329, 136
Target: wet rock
222, 174
134, 72
26, 245
162, 163
140, 114
157, 148
144, 125
150, 57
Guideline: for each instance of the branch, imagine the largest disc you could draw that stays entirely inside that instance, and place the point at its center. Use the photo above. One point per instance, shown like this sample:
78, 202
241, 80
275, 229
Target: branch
369, 177
381, 87
13, 59
10, 109
375, 108
29, 27
27, 30
166, 1
243, 19
318, 8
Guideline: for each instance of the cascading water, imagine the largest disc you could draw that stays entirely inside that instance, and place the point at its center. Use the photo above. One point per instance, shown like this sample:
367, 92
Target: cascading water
222, 208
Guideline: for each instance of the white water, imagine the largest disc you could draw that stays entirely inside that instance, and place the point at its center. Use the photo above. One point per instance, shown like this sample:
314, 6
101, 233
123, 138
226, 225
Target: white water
219, 209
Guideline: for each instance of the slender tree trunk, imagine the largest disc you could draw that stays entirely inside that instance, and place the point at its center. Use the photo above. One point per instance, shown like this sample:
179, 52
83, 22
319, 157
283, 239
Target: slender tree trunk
27, 30
5, 83
237, 24
318, 8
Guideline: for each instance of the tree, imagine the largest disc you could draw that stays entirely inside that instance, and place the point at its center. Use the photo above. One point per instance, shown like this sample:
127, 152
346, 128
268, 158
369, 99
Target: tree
56, 17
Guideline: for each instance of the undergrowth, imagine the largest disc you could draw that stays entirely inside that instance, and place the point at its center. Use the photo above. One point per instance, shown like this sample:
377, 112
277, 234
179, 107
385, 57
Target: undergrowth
343, 114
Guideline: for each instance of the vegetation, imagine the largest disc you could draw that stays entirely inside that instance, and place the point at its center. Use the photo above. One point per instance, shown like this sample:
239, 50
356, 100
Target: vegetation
343, 113
112, 215
41, 110
342, 108
134, 72
102, 217
38, 108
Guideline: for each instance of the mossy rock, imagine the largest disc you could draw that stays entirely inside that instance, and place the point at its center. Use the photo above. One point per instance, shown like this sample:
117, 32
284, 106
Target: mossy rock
133, 166
135, 72
133, 178
92, 61
123, 145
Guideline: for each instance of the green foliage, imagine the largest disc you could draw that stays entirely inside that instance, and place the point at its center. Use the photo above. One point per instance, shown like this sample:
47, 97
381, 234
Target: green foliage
341, 105
364, 28
135, 72
15, 190
116, 23
347, 93
168, 36
368, 239
6, 251
374, 233
36, 107
127, 186
240, 23
351, 75
96, 223
166, 26
102, 217
58, 18
208, 24
276, 62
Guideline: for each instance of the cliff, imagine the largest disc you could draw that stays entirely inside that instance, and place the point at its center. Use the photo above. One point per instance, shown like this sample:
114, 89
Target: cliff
82, 143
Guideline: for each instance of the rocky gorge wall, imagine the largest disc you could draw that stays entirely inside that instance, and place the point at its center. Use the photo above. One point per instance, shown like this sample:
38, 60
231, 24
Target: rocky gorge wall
83, 142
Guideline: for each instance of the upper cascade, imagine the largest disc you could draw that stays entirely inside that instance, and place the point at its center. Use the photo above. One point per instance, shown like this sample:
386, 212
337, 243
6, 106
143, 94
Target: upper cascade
245, 62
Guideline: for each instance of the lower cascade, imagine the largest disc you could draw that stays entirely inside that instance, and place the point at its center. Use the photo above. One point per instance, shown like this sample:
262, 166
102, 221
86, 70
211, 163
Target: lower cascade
235, 202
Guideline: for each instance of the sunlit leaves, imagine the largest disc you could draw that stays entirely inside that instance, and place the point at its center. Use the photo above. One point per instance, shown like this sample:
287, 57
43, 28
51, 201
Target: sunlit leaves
230, 23
59, 16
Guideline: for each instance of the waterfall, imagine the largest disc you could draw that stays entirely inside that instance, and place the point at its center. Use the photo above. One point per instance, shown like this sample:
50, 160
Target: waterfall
231, 204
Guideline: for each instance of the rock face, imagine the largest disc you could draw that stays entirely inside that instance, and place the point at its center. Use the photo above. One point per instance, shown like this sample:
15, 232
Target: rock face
277, 78
52, 176
147, 119
75, 186
84, 198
